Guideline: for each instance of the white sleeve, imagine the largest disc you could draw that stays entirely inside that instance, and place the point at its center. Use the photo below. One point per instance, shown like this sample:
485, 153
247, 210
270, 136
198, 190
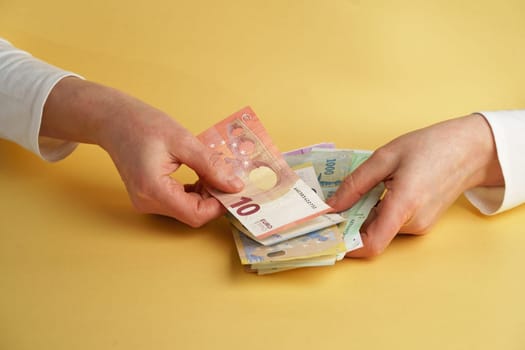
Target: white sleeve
25, 84
508, 129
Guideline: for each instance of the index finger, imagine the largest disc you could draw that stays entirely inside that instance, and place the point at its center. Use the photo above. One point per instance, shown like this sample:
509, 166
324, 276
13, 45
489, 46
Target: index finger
374, 170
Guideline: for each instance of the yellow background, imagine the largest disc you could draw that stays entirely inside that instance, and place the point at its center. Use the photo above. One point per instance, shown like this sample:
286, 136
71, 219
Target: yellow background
80, 269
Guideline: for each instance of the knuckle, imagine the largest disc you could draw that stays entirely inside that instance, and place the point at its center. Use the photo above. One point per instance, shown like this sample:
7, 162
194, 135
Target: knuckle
417, 225
350, 185
189, 140
420, 226
374, 250
348, 182
141, 207
383, 154
196, 217
195, 222
142, 200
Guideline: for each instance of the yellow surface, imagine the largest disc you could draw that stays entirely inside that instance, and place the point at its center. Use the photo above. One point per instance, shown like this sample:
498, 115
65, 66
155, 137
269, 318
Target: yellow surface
79, 269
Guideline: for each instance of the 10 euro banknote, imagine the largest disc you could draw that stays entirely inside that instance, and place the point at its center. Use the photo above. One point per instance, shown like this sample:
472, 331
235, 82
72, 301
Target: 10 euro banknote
274, 198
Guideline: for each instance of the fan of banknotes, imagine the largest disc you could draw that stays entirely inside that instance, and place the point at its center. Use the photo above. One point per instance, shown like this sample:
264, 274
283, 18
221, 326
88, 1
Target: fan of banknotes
280, 220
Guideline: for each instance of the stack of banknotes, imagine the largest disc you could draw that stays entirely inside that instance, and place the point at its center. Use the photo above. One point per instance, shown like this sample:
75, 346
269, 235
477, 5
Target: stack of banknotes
280, 220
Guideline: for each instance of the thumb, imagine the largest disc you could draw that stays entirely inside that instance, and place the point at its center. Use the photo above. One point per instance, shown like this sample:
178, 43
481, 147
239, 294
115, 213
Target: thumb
210, 167
383, 224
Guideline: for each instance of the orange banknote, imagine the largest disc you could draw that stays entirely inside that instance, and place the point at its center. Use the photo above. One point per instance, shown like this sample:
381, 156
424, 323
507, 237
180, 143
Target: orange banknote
274, 197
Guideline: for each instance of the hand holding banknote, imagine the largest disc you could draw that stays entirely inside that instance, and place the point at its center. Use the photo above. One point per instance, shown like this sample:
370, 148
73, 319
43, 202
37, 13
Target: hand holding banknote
274, 198
145, 144
424, 172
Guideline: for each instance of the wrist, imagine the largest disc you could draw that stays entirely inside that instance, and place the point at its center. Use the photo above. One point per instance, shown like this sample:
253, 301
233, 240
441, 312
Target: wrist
73, 112
82, 111
486, 169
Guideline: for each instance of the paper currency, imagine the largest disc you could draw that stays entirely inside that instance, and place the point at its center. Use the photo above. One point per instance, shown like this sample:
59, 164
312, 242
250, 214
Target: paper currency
325, 242
307, 173
262, 269
345, 162
319, 248
280, 221
315, 224
265, 269
317, 242
271, 187
357, 214
331, 166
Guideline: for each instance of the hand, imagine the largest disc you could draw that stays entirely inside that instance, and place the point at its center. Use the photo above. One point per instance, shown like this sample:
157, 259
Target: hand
145, 144
424, 172
148, 148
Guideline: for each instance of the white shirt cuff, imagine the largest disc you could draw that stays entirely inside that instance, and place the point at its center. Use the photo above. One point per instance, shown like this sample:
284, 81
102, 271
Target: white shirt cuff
25, 84
508, 129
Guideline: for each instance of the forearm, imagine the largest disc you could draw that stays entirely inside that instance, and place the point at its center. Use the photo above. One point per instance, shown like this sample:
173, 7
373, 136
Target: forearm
86, 112
82, 111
